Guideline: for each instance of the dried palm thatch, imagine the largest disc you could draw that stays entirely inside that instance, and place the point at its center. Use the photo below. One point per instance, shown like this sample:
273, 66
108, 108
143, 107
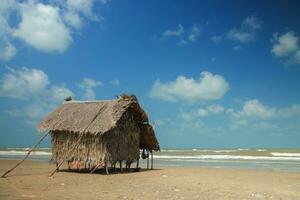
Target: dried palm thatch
107, 131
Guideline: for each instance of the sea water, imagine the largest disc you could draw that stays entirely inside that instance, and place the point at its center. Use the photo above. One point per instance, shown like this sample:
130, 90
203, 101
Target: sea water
261, 158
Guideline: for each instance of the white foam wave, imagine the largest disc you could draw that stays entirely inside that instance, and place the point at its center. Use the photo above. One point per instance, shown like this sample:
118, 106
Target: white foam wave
227, 157
203, 150
240, 149
224, 151
285, 154
16, 153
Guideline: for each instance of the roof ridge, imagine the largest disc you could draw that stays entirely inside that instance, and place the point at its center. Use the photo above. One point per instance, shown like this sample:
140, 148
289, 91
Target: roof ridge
91, 101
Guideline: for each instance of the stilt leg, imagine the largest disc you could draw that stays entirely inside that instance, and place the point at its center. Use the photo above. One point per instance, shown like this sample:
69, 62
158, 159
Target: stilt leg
137, 164
106, 169
129, 164
151, 160
121, 169
57, 168
69, 168
148, 162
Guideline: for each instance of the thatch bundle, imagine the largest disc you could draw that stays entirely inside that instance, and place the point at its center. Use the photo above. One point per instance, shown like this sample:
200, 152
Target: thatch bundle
104, 131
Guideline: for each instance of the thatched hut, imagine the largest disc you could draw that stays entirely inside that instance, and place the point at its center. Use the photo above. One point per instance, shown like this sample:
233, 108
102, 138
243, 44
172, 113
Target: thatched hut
99, 133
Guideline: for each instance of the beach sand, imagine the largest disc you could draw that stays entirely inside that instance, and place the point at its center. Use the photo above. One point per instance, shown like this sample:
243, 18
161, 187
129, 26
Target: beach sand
30, 181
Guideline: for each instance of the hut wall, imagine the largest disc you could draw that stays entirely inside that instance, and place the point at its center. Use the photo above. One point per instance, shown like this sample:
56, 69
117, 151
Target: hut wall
123, 141
91, 148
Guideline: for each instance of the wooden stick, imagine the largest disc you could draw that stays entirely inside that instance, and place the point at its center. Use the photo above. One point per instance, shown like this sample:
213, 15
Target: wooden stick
26, 156
137, 164
121, 169
106, 169
95, 168
148, 162
151, 160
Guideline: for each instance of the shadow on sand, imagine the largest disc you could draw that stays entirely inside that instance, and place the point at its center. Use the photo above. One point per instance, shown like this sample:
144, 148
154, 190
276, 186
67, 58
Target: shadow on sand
101, 171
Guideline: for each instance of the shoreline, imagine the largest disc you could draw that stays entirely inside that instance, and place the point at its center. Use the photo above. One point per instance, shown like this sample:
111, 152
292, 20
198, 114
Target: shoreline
30, 181
259, 159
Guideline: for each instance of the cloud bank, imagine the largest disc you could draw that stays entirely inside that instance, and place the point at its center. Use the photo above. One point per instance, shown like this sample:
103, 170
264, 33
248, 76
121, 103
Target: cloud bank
45, 26
207, 87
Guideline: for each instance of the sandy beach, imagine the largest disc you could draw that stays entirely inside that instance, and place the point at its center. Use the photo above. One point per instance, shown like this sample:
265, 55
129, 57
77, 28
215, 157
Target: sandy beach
30, 181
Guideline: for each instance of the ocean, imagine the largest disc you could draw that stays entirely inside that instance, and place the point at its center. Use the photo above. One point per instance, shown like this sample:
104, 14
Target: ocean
261, 159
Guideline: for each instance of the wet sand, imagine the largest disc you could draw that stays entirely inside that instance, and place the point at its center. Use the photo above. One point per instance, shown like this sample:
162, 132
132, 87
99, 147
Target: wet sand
31, 181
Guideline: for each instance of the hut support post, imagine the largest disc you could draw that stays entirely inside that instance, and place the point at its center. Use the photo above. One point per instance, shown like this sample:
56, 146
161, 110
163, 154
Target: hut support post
121, 169
28, 153
106, 169
151, 160
69, 168
148, 162
137, 164
57, 168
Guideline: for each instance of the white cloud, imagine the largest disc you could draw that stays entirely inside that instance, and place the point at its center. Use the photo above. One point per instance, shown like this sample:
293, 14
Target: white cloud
246, 32
251, 22
77, 10
295, 58
207, 87
88, 85
42, 27
216, 108
289, 112
187, 116
191, 35
23, 83
45, 25
216, 39
73, 19
176, 33
284, 44
202, 112
235, 34
195, 31
7, 51
59, 93
33, 111
254, 109
33, 86
116, 82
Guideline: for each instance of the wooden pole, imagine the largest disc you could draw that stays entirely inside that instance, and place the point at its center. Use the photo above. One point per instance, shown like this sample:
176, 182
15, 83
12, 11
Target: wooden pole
121, 169
137, 164
151, 160
106, 169
57, 169
26, 156
148, 162
95, 168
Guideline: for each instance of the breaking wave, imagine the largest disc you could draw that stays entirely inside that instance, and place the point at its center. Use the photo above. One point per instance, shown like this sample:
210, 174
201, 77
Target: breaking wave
227, 157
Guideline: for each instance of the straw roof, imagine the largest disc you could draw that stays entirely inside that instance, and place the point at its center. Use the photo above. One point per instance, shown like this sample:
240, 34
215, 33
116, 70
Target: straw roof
98, 117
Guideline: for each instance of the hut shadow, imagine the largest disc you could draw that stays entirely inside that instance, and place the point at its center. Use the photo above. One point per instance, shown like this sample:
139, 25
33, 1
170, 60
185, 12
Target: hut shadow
101, 171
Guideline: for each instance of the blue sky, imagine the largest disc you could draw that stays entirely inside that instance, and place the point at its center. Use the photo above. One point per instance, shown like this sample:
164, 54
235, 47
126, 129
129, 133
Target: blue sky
210, 73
